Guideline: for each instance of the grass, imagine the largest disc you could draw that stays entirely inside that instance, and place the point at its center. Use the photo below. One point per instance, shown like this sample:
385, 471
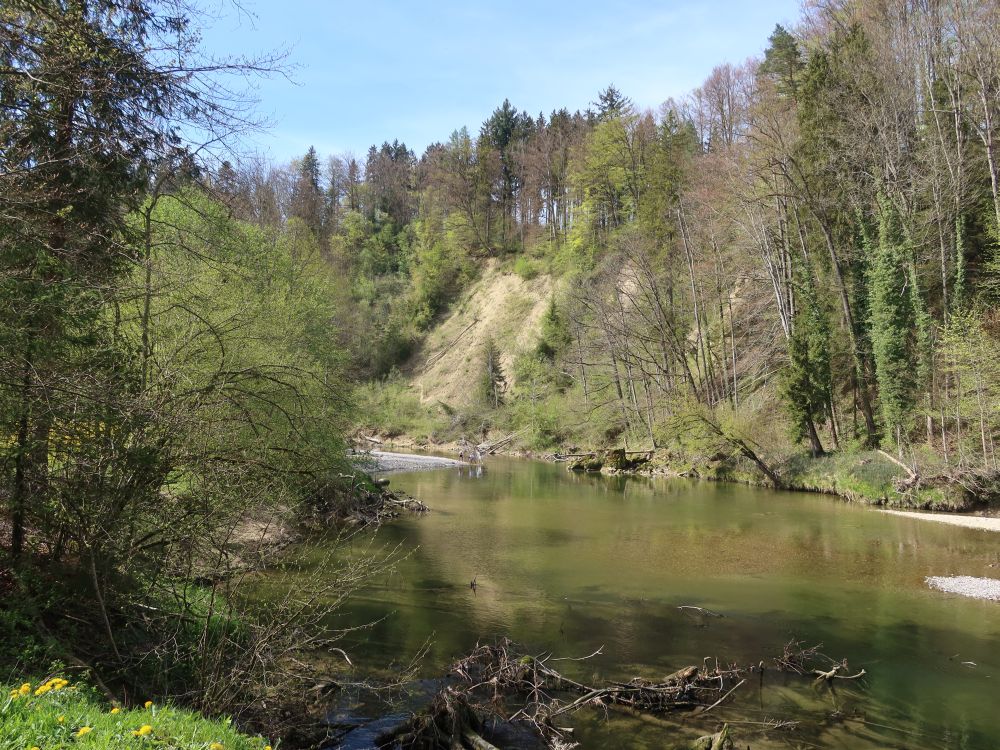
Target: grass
74, 715
392, 408
863, 476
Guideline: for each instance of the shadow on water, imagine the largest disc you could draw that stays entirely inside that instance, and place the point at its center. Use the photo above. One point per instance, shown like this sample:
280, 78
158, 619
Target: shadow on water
568, 563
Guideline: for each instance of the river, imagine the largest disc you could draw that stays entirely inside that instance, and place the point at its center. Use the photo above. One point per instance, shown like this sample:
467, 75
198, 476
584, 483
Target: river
569, 564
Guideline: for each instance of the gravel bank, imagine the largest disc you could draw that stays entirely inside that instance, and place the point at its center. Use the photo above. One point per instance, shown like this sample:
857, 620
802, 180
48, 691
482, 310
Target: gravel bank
977, 588
386, 462
986, 523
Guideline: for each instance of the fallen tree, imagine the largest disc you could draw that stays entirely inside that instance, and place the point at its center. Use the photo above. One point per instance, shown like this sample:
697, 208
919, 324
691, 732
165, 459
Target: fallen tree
499, 684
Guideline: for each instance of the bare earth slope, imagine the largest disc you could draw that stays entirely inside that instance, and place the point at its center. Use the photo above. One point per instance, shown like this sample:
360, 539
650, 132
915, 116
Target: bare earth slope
503, 306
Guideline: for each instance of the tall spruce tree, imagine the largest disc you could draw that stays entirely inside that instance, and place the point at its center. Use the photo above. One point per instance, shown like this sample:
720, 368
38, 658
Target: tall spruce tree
493, 382
307, 195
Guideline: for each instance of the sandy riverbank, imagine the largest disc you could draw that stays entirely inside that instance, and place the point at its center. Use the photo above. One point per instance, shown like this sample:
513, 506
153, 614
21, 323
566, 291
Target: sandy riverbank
985, 523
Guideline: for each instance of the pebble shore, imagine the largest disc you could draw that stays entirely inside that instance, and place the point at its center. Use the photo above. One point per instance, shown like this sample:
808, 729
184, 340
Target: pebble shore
977, 588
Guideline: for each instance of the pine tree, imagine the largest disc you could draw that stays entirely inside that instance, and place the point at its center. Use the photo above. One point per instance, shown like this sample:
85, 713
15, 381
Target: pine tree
783, 60
554, 334
493, 384
307, 196
612, 103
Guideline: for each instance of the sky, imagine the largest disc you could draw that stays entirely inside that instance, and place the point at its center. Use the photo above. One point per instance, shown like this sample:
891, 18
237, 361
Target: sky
369, 71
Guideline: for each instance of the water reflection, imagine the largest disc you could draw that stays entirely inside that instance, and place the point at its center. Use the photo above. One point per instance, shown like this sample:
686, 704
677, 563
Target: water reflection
568, 563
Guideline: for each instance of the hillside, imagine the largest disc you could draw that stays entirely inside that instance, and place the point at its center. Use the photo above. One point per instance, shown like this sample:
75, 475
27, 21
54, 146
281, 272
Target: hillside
501, 306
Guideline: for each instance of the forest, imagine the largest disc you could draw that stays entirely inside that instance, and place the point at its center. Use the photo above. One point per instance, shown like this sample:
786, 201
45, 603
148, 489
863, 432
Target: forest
796, 265
806, 240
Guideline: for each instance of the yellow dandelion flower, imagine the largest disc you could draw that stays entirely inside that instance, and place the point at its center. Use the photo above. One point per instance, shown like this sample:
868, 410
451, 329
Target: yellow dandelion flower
35, 747
267, 747
43, 689
143, 730
25, 688
14, 693
216, 746
115, 710
148, 704
84, 730
61, 719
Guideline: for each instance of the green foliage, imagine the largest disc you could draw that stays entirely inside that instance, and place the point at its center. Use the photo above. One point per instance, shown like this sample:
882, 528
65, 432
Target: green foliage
76, 716
782, 60
555, 335
971, 357
492, 380
893, 323
958, 293
525, 267
540, 403
807, 387
440, 267
390, 407
246, 317
862, 476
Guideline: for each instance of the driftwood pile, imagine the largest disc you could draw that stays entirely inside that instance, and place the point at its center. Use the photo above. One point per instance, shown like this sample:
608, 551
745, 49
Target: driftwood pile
365, 502
499, 682
492, 446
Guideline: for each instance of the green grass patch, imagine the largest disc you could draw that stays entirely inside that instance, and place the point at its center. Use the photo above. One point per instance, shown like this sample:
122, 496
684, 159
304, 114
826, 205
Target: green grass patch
53, 714
392, 408
864, 476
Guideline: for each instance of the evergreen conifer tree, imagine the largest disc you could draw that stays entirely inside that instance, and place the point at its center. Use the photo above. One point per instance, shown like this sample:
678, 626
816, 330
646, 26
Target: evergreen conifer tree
807, 387
493, 383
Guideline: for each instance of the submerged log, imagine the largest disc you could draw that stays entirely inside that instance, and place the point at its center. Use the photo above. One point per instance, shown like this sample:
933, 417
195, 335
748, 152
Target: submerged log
475, 742
504, 687
718, 741
681, 676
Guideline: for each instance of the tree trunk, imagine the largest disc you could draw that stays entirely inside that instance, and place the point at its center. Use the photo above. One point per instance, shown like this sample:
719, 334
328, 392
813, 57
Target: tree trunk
864, 401
814, 443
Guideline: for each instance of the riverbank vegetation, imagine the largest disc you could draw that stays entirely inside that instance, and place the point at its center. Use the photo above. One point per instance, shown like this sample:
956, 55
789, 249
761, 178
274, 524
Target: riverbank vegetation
172, 403
801, 252
56, 714
790, 273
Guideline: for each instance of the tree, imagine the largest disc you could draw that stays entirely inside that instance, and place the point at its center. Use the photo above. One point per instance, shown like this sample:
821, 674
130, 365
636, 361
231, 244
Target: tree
892, 325
808, 387
86, 118
611, 103
555, 336
307, 196
493, 381
389, 178
783, 61
504, 131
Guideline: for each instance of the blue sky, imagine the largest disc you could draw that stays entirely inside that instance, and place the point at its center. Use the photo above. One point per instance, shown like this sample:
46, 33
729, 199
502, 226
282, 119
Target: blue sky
375, 70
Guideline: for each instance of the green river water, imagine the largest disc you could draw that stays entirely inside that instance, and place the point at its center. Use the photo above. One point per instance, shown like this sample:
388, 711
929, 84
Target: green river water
567, 564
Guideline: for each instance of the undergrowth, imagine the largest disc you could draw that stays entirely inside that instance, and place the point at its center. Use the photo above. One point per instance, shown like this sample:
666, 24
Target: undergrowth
52, 714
